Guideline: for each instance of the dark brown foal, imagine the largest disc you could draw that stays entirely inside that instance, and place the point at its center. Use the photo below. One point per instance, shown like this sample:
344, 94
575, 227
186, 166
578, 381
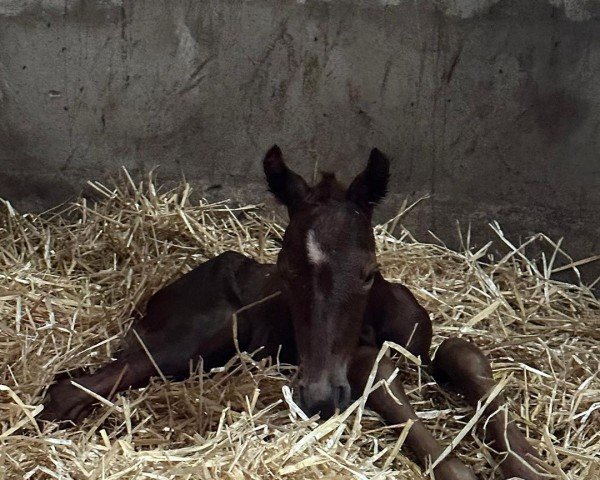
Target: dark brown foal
327, 307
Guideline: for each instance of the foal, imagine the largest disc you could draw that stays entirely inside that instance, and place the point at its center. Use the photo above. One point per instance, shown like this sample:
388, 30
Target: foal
328, 309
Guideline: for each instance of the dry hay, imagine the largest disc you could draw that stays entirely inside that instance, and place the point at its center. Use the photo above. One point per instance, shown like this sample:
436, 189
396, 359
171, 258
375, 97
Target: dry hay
71, 279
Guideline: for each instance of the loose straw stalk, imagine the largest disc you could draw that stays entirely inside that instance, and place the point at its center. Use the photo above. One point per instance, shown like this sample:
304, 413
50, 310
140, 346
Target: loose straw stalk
71, 279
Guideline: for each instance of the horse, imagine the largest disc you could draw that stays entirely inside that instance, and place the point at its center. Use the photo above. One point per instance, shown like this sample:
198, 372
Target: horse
325, 307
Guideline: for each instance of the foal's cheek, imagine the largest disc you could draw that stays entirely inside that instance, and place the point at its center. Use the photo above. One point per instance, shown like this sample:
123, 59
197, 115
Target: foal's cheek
348, 325
298, 297
300, 310
357, 310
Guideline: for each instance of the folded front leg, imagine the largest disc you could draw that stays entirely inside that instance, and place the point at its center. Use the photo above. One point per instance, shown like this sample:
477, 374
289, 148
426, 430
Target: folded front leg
419, 440
66, 402
462, 367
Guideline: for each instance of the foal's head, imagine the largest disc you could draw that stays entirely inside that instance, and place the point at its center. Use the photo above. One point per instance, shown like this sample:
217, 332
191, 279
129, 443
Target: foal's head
327, 264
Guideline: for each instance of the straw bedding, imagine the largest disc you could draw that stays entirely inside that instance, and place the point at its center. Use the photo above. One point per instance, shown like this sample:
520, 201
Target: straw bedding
71, 279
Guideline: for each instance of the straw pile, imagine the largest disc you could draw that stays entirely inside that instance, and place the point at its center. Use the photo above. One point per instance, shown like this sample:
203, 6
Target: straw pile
71, 279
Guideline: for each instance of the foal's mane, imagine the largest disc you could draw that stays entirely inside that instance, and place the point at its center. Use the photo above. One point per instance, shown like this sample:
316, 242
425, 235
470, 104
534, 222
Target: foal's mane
328, 188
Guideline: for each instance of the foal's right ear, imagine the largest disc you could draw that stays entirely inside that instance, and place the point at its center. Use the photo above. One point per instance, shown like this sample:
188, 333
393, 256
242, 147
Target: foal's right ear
288, 187
370, 186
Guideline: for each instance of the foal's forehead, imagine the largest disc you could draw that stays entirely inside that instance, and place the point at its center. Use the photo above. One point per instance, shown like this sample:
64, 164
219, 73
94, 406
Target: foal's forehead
336, 221
329, 230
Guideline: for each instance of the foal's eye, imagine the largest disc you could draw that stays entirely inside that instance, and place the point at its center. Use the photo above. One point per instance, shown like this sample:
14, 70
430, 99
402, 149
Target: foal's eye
369, 278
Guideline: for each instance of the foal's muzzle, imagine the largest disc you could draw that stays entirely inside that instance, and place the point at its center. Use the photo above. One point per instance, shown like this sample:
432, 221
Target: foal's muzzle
324, 397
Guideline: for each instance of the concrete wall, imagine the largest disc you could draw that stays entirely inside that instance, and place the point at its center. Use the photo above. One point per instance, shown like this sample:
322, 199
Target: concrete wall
491, 106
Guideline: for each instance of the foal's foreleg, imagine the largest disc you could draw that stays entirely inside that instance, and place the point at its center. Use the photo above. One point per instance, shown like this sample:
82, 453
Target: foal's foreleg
419, 440
67, 402
462, 367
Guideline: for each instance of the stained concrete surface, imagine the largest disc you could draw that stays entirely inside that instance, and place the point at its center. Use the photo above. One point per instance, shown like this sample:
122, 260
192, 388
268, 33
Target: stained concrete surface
490, 106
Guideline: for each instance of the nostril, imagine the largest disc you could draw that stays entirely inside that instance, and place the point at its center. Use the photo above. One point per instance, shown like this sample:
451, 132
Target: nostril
338, 396
302, 395
342, 396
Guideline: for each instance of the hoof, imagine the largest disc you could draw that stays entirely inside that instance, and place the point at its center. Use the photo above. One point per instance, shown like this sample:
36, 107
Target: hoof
453, 469
65, 403
520, 467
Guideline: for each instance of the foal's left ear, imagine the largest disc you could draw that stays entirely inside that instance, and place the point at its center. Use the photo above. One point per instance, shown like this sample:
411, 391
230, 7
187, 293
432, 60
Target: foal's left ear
370, 186
287, 186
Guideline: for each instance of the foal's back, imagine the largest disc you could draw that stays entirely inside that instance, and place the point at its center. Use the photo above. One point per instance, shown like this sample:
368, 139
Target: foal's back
194, 313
